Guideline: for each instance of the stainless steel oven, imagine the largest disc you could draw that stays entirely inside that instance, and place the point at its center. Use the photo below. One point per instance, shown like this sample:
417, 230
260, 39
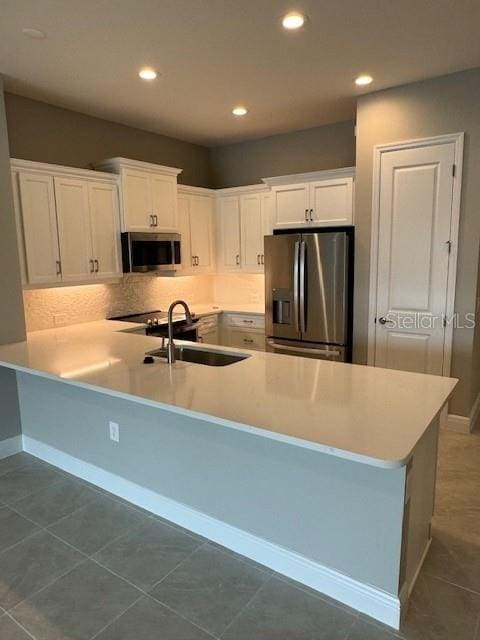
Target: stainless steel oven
143, 252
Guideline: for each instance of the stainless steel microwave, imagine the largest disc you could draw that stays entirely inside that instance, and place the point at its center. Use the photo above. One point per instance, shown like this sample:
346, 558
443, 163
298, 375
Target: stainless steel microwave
143, 252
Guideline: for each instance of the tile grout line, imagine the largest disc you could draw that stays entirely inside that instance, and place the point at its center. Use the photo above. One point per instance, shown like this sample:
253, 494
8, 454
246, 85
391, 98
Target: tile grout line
453, 584
239, 613
176, 567
30, 635
95, 635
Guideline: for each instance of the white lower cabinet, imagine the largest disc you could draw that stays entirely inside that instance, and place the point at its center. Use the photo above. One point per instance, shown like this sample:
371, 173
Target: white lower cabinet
69, 224
243, 221
245, 331
196, 221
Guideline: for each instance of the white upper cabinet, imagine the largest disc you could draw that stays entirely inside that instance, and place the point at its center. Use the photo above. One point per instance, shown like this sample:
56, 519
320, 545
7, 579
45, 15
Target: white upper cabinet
137, 208
39, 226
196, 223
291, 205
69, 219
244, 218
74, 232
323, 198
148, 195
105, 228
229, 233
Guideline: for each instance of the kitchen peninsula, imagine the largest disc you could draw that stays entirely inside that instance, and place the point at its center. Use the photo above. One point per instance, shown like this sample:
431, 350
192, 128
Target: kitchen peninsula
322, 471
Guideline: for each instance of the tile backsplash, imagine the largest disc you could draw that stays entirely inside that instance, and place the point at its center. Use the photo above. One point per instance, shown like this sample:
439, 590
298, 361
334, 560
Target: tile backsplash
44, 308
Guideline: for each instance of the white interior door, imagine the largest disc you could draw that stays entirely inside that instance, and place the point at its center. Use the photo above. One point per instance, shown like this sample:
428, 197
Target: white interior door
104, 220
252, 231
415, 213
74, 231
39, 218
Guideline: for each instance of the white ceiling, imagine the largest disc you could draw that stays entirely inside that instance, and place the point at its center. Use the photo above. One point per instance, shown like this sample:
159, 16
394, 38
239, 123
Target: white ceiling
213, 54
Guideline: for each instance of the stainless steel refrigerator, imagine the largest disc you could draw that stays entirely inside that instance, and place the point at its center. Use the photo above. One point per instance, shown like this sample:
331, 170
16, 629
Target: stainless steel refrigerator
308, 293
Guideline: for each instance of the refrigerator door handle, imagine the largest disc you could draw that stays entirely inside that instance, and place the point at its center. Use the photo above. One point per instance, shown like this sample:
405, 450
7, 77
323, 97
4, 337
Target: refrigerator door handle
296, 261
302, 288
320, 352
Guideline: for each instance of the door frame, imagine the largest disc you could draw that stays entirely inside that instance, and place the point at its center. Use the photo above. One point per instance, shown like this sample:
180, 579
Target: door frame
378, 150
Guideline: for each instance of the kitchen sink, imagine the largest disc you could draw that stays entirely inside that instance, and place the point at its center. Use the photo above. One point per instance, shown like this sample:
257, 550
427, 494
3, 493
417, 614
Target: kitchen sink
197, 355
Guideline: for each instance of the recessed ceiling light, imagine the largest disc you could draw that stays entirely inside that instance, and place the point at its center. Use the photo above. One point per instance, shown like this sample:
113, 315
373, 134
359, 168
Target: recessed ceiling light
240, 111
362, 81
293, 20
147, 73
36, 34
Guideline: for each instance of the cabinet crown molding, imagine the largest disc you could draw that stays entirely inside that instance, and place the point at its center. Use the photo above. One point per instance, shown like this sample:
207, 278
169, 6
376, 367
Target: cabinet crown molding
250, 188
189, 190
312, 176
118, 163
17, 164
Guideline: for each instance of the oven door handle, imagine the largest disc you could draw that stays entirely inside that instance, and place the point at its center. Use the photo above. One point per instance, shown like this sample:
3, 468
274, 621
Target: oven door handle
320, 352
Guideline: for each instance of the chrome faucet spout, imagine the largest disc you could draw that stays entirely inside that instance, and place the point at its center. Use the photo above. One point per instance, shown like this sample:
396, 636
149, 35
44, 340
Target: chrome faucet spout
171, 344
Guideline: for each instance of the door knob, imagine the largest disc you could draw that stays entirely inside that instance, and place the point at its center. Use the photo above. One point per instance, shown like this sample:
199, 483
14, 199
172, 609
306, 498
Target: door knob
383, 320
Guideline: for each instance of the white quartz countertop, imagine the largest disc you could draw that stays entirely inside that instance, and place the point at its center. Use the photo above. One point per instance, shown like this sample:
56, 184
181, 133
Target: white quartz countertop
370, 415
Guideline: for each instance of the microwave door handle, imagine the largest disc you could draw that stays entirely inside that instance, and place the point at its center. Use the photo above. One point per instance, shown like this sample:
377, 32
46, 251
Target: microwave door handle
302, 288
296, 260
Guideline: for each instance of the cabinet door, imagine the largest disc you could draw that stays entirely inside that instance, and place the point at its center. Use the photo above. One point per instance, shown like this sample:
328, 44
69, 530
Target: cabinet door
229, 212
37, 201
183, 208
163, 191
245, 339
74, 231
252, 231
137, 207
291, 203
201, 232
332, 201
104, 223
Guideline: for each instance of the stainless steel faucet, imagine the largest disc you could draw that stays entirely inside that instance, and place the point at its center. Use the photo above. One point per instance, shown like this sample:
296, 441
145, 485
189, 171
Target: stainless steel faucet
171, 344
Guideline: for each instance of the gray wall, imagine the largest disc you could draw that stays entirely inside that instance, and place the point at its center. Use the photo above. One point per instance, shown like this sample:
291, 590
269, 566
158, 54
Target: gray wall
300, 499
43, 132
12, 325
442, 105
328, 147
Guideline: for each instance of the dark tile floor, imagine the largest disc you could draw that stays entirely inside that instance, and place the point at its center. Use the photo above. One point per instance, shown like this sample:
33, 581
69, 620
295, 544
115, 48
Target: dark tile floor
78, 564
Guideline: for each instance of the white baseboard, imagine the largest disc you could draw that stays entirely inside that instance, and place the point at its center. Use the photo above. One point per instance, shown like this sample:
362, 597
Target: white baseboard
464, 424
369, 600
10, 446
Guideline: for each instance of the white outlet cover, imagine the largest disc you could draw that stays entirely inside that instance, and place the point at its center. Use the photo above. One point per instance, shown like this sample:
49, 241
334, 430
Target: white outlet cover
114, 431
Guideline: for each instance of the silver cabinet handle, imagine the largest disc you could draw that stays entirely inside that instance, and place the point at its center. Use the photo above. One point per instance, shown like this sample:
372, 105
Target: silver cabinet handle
193, 261
197, 261
92, 266
321, 352
258, 258
97, 266
311, 215
248, 340
59, 267
237, 259
263, 259
155, 217
306, 215
152, 220
248, 321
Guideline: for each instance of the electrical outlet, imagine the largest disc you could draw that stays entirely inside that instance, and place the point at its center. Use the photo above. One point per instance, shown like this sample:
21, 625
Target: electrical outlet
60, 319
114, 431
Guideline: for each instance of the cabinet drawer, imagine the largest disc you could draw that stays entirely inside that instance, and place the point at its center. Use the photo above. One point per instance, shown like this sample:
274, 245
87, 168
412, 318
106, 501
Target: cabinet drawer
247, 321
207, 323
247, 339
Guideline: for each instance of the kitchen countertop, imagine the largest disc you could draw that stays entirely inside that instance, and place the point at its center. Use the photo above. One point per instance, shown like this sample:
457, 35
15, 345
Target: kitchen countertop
370, 415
